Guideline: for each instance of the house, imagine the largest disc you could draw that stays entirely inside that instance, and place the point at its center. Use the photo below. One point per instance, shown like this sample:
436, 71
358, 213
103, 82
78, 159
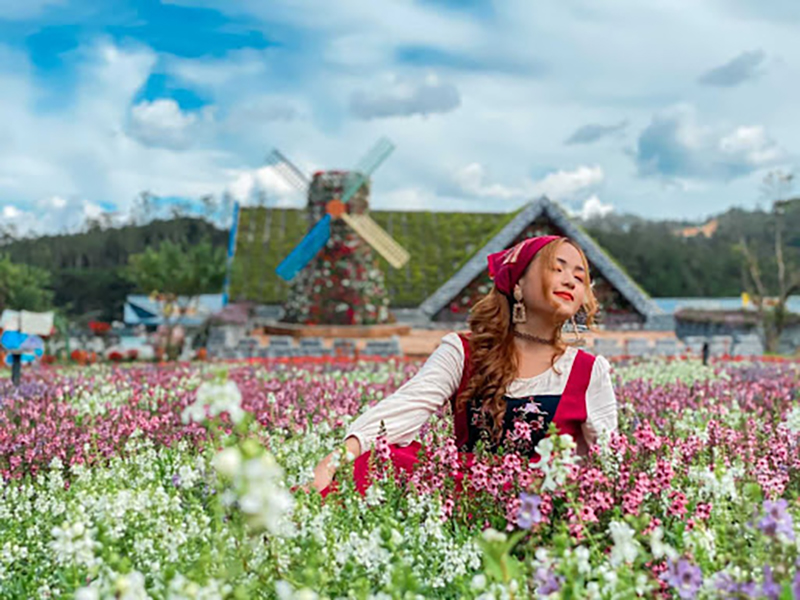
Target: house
453, 274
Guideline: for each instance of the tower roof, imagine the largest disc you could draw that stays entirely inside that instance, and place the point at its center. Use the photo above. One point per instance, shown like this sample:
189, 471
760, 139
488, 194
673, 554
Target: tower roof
504, 238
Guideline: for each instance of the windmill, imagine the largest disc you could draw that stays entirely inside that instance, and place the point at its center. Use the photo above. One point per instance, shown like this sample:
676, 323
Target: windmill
331, 270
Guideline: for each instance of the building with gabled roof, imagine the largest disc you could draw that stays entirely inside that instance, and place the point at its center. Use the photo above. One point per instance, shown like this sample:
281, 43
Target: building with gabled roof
443, 285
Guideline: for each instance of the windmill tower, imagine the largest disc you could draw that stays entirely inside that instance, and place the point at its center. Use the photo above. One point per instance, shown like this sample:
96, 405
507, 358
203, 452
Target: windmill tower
333, 270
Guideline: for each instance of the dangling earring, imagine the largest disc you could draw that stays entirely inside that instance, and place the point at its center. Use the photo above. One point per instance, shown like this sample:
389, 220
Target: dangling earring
518, 315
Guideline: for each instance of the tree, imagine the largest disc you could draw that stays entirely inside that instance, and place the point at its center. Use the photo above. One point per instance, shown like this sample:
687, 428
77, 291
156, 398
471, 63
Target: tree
24, 287
176, 277
772, 312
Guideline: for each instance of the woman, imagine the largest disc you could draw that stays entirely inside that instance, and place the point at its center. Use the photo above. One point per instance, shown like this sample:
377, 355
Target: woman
512, 372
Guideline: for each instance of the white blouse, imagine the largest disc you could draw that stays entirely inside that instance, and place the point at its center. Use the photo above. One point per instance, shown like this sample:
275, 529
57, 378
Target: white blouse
407, 409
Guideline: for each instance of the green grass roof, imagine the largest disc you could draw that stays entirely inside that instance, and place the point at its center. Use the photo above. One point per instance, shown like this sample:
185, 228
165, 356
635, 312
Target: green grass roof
439, 244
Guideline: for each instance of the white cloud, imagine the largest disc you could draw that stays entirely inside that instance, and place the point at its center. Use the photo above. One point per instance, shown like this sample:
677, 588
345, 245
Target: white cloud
559, 186
472, 181
163, 123
92, 149
563, 184
11, 212
57, 202
246, 186
403, 98
593, 207
510, 119
245, 65
92, 210
752, 145
408, 198
677, 145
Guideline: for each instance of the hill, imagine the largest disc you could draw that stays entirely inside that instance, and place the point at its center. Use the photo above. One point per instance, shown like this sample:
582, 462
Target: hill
87, 267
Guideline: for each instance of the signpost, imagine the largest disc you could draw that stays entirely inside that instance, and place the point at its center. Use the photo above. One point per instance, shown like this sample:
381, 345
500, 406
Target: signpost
22, 348
20, 338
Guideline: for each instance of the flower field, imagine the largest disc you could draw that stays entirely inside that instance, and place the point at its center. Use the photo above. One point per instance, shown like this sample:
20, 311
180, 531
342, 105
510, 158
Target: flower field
182, 482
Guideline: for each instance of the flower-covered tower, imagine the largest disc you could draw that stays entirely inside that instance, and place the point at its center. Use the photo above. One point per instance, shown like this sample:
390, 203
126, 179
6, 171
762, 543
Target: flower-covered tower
343, 284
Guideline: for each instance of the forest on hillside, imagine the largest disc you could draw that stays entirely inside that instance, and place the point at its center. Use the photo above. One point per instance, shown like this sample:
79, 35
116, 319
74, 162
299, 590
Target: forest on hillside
87, 268
668, 265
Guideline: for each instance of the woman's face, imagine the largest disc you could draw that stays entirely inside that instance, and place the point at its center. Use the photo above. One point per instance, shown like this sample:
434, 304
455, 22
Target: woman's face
559, 291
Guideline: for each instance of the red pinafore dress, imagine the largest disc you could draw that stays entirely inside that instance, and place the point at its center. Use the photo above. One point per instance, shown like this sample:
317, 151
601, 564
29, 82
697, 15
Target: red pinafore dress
567, 410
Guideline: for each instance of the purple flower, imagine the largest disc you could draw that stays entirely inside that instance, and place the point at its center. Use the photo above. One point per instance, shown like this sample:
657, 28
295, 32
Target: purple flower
533, 407
725, 583
176, 480
529, 513
685, 577
776, 519
770, 589
796, 585
749, 589
547, 582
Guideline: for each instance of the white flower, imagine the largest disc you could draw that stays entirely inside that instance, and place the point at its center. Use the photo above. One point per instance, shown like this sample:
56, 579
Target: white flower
582, 557
87, 593
194, 413
792, 422
492, 535
228, 462
658, 547
557, 470
285, 591
374, 496
73, 544
478, 582
625, 549
131, 587
218, 398
264, 499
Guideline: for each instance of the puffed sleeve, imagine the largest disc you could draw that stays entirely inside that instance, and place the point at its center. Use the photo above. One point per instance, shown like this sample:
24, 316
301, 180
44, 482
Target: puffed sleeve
601, 403
407, 409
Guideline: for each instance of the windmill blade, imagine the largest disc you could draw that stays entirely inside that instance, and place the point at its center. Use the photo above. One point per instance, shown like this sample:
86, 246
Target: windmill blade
367, 165
287, 170
376, 236
306, 250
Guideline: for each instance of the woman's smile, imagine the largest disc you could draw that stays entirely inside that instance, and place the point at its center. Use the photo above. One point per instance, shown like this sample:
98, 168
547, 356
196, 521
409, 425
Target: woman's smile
565, 295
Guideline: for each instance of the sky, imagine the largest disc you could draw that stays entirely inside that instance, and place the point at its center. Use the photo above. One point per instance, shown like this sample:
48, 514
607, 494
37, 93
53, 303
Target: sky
664, 109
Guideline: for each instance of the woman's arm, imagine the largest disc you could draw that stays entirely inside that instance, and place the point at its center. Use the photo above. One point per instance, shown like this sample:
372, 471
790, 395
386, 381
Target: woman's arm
407, 409
601, 402
324, 471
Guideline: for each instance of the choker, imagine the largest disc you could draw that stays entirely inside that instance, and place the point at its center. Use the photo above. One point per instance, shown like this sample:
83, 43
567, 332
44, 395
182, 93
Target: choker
533, 338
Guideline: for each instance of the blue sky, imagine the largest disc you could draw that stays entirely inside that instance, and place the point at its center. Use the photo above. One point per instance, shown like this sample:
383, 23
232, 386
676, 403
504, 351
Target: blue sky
663, 109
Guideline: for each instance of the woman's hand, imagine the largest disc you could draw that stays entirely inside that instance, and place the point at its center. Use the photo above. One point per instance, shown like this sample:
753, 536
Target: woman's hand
325, 471
323, 474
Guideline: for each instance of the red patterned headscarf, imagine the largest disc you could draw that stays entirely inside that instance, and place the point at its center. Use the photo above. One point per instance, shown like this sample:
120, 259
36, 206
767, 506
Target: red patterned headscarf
506, 267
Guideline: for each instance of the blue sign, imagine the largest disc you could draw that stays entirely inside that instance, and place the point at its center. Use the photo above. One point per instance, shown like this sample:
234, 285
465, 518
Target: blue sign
33, 345
13, 340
